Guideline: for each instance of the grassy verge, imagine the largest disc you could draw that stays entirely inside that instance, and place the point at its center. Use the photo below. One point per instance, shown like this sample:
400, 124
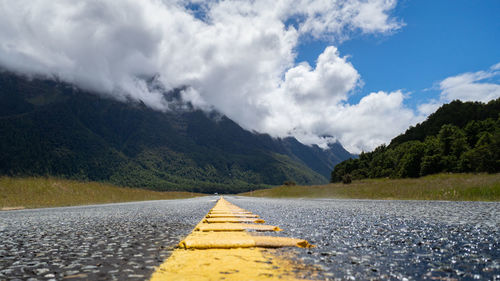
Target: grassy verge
456, 187
18, 193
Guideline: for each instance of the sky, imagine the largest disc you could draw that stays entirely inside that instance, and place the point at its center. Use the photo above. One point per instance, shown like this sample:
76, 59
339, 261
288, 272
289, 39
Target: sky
359, 72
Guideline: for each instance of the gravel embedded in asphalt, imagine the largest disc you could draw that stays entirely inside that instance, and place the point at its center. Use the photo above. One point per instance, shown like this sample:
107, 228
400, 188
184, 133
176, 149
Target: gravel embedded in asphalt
101, 242
390, 240
355, 239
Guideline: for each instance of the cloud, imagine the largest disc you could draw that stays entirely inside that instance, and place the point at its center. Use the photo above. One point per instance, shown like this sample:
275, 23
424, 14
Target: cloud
496, 66
334, 18
237, 57
430, 107
471, 86
332, 79
481, 86
375, 120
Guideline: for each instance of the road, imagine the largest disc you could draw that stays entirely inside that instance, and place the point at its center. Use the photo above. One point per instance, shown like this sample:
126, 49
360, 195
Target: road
355, 239
100, 242
396, 240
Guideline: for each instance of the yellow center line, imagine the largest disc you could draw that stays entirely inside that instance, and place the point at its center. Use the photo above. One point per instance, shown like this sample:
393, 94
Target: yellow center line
220, 249
231, 215
233, 220
236, 227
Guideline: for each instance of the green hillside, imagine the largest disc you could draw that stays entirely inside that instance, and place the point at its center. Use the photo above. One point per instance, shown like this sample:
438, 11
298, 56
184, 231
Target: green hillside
458, 137
49, 128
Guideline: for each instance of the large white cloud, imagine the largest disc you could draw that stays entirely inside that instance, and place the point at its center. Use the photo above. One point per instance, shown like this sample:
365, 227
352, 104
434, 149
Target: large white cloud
311, 105
237, 57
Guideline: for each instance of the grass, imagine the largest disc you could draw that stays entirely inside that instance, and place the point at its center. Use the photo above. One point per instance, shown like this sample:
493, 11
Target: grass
453, 187
20, 193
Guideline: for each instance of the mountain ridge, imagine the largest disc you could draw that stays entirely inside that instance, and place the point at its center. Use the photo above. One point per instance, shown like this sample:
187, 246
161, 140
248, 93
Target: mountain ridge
52, 128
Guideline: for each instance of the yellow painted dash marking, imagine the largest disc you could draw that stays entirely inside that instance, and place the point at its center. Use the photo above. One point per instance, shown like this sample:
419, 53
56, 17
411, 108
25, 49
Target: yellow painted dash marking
235, 227
231, 215
219, 248
225, 264
224, 240
233, 220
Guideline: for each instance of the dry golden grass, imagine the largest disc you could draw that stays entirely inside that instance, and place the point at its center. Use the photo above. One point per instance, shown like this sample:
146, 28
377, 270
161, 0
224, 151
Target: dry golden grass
455, 187
16, 193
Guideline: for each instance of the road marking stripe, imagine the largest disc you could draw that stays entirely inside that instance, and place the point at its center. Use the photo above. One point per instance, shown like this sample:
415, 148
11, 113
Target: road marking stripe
218, 240
233, 220
225, 264
235, 227
231, 215
221, 249
229, 210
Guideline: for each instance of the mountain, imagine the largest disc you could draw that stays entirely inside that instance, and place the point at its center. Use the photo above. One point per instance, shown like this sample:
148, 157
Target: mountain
50, 128
318, 159
458, 137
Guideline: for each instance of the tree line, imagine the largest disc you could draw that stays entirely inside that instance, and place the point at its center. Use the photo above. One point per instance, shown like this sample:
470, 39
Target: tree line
458, 137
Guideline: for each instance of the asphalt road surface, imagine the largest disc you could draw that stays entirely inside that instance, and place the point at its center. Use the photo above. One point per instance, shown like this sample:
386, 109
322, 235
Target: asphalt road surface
355, 239
391, 240
99, 242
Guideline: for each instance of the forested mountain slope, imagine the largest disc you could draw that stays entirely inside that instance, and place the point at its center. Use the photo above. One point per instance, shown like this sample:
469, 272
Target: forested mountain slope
458, 137
51, 128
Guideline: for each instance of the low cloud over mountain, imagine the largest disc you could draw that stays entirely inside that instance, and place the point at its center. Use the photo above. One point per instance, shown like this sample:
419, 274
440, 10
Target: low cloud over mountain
237, 57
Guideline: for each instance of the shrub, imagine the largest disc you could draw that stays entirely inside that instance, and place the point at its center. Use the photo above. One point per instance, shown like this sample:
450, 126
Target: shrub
347, 179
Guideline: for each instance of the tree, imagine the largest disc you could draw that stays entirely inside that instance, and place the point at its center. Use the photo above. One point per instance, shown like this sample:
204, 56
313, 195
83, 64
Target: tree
453, 144
409, 165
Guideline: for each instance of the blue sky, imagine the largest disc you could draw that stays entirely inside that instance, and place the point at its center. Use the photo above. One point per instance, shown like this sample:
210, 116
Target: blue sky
439, 39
